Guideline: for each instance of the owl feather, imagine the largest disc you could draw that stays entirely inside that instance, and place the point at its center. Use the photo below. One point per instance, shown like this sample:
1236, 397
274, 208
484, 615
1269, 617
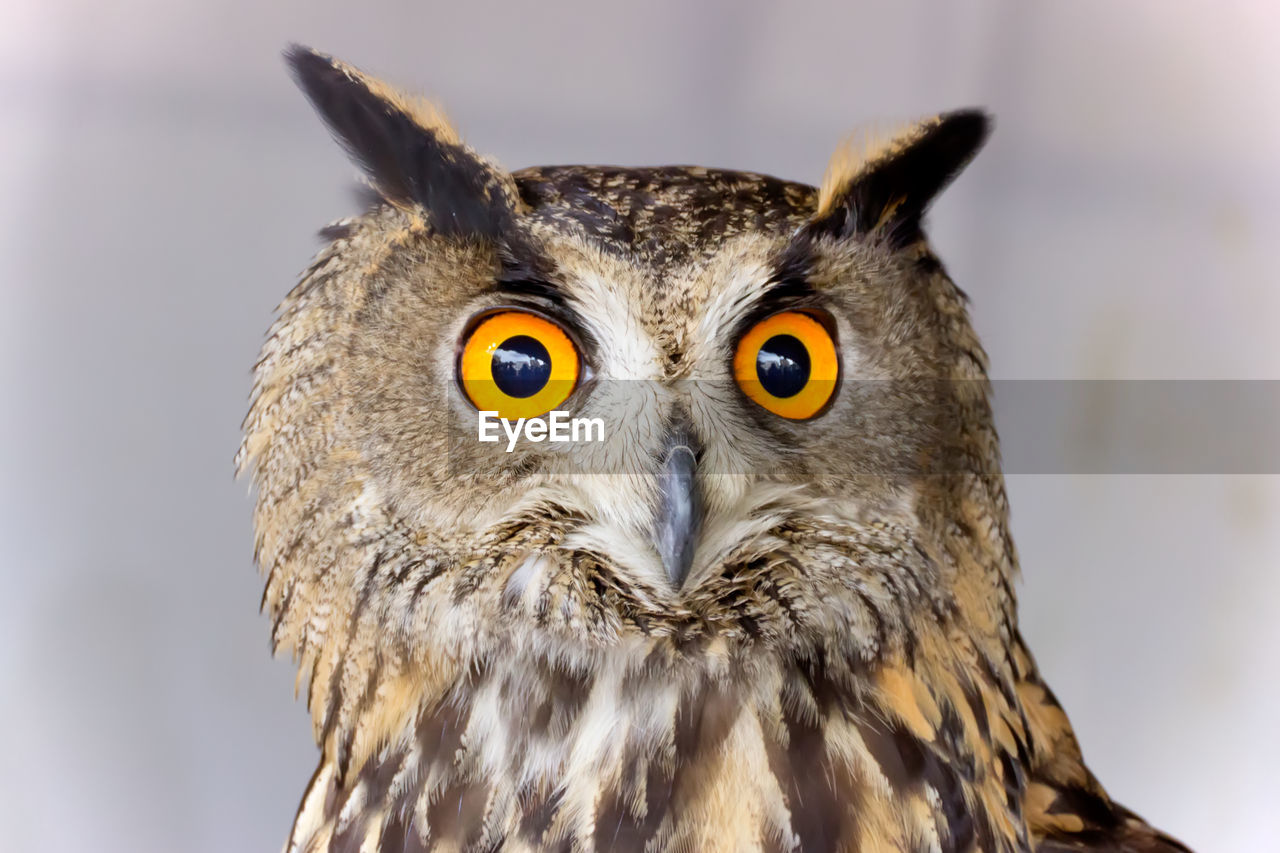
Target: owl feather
720, 629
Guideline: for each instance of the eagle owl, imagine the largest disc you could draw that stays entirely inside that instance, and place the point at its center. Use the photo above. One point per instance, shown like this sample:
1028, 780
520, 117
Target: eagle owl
768, 607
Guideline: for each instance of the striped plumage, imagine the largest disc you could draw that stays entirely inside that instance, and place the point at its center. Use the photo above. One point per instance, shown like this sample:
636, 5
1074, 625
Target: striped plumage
491, 658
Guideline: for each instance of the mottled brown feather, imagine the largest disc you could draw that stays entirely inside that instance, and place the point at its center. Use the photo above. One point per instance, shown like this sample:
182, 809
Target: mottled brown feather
487, 670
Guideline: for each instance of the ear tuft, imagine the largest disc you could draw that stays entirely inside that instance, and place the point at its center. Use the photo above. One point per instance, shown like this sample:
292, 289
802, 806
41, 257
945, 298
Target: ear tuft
856, 154
409, 150
882, 186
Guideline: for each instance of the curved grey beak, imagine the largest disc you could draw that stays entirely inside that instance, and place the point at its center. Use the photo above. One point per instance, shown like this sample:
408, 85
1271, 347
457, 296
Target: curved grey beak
679, 519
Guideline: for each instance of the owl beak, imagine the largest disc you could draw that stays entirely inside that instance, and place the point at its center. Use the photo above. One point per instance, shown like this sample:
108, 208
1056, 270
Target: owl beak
675, 531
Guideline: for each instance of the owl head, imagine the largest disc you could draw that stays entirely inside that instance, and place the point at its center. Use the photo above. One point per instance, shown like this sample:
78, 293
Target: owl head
785, 431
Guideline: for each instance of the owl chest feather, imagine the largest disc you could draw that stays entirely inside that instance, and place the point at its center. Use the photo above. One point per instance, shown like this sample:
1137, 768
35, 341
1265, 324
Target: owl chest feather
731, 750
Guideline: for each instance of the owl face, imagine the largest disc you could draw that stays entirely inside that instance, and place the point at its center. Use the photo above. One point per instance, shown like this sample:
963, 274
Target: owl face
765, 359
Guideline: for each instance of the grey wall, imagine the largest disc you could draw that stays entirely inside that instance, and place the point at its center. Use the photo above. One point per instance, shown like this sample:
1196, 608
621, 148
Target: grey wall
162, 183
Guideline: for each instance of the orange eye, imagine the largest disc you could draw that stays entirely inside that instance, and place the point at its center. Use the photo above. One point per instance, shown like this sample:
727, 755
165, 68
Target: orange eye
787, 363
517, 364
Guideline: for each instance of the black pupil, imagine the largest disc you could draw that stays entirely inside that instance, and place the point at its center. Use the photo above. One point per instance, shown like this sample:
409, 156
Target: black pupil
521, 366
783, 366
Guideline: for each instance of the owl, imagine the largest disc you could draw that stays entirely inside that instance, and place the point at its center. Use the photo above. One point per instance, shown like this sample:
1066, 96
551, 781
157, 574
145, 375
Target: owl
762, 601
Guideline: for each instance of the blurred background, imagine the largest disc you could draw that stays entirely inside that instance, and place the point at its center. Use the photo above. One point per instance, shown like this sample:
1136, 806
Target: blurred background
162, 184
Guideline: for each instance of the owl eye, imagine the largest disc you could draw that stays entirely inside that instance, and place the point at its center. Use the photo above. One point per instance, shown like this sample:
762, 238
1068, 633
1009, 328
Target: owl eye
518, 364
787, 363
